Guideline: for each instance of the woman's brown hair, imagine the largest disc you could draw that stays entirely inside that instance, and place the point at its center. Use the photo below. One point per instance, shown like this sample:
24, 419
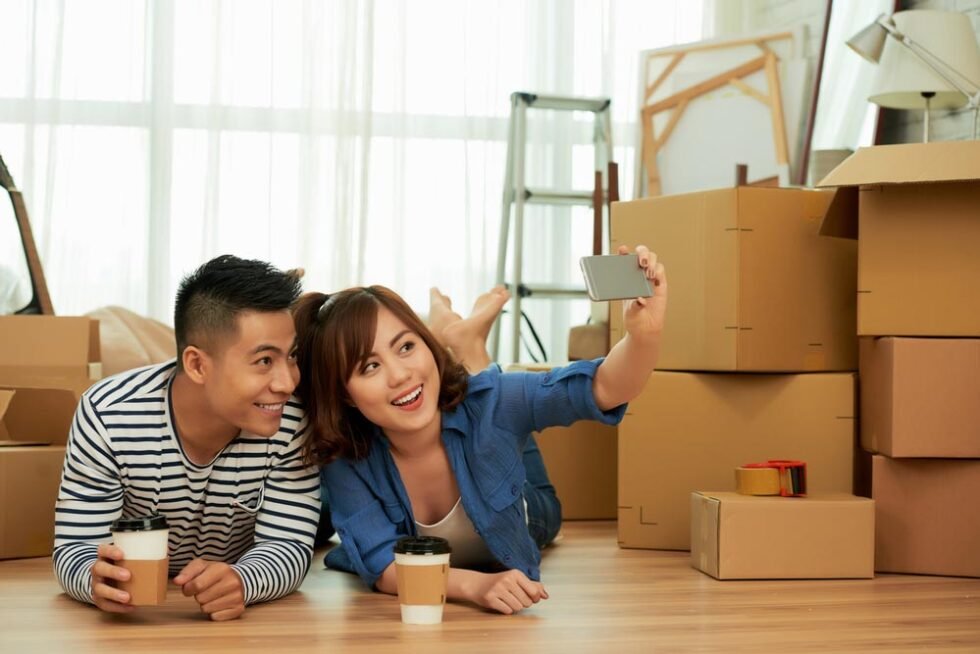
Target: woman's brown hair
334, 334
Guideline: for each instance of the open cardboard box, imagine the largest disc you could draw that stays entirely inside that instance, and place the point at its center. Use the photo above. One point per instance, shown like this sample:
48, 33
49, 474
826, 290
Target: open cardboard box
754, 287
46, 363
913, 209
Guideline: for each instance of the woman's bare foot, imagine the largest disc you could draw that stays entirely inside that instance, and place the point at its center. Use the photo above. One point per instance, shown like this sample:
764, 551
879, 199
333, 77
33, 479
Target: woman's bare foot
472, 332
441, 314
466, 337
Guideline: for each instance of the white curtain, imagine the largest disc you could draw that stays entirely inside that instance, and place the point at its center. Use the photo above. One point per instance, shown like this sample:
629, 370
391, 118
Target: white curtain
361, 140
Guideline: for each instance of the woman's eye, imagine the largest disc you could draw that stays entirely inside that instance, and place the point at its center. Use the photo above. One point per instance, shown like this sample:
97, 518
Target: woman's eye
369, 367
408, 346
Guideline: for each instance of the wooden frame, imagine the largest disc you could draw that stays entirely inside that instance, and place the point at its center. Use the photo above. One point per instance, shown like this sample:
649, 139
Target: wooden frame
652, 143
40, 299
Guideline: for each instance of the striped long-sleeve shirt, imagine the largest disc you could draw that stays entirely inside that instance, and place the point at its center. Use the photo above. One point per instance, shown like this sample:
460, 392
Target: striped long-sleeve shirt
256, 505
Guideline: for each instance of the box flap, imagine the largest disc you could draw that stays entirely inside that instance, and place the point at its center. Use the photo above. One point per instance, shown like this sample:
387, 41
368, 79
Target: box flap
36, 416
909, 163
841, 219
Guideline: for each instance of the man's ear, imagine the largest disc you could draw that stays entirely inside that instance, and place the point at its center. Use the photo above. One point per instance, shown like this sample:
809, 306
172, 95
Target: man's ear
197, 364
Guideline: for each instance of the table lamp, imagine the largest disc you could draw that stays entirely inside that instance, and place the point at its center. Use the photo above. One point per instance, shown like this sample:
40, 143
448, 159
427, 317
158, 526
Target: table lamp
931, 61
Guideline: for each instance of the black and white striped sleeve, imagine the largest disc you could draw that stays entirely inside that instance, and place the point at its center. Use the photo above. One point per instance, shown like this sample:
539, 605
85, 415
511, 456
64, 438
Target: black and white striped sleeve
89, 499
285, 527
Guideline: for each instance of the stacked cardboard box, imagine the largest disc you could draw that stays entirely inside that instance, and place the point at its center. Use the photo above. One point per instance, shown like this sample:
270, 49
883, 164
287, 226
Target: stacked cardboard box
45, 365
914, 211
754, 288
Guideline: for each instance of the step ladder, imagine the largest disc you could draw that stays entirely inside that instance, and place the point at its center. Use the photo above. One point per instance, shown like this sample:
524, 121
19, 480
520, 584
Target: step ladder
517, 195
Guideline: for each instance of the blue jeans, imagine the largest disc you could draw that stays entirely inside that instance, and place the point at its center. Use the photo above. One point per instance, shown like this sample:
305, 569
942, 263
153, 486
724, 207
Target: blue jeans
543, 505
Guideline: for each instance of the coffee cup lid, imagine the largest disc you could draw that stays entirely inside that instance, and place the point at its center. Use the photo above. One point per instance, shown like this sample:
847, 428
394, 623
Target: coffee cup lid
142, 523
422, 545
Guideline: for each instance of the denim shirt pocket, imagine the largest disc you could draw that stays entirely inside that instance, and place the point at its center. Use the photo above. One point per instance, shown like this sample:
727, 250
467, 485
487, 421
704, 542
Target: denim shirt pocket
510, 489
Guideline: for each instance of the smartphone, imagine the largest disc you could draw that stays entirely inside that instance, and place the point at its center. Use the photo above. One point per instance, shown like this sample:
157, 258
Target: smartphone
615, 277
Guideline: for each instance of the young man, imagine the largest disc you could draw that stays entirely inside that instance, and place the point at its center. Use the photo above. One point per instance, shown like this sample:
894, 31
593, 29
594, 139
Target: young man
212, 441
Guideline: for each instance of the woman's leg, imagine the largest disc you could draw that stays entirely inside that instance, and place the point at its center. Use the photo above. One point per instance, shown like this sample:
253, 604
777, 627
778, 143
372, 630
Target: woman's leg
543, 505
467, 340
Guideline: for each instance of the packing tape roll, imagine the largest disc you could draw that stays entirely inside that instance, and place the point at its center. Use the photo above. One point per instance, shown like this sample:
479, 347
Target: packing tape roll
757, 481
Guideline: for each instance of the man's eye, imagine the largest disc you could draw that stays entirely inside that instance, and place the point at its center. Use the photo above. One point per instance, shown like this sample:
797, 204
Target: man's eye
264, 361
293, 355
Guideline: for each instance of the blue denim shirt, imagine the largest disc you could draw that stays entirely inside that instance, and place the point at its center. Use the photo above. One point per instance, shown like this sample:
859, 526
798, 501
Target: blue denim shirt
484, 437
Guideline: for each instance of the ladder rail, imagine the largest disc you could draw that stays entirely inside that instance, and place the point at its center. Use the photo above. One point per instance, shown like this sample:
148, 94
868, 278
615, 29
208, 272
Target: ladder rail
517, 196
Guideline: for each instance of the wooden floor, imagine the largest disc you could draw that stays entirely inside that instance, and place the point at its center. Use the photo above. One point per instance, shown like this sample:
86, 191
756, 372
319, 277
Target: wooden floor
603, 599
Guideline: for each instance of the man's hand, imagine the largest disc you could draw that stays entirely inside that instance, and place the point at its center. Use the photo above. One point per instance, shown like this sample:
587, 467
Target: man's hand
216, 587
105, 596
507, 592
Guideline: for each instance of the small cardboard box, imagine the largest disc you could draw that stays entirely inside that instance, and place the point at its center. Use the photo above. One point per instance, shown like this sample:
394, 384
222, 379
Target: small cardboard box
581, 461
920, 397
928, 517
821, 536
690, 431
46, 363
913, 210
754, 287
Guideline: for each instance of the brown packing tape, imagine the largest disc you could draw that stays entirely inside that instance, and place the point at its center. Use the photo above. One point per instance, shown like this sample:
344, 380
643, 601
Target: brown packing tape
757, 481
422, 585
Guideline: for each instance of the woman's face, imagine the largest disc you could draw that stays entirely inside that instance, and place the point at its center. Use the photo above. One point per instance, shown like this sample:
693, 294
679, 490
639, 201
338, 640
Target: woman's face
397, 386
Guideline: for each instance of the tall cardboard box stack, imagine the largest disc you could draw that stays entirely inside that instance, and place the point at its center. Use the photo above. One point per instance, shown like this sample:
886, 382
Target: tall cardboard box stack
46, 363
915, 211
757, 356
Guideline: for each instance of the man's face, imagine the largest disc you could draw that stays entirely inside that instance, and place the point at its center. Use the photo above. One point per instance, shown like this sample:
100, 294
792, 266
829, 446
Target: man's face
253, 372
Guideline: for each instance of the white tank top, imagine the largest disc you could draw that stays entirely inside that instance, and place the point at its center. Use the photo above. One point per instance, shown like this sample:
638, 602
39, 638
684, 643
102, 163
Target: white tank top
469, 550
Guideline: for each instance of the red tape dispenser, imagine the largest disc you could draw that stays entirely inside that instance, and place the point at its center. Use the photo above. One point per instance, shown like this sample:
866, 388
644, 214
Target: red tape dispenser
776, 477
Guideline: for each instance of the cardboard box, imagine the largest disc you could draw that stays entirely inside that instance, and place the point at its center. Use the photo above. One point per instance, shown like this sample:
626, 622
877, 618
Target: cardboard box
49, 352
754, 287
913, 210
920, 397
29, 479
46, 363
927, 516
581, 461
821, 536
690, 431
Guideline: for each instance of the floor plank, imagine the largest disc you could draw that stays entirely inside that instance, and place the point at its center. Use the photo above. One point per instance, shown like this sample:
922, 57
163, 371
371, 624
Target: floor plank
602, 599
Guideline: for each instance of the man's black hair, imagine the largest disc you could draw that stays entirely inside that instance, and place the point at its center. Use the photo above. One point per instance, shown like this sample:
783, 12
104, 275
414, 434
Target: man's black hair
211, 298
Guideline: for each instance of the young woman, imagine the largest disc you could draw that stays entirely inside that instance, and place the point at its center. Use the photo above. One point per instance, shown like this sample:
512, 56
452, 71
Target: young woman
415, 445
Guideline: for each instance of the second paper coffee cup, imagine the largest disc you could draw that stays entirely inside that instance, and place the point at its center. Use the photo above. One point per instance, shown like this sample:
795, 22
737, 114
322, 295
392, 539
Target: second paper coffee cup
143, 541
422, 568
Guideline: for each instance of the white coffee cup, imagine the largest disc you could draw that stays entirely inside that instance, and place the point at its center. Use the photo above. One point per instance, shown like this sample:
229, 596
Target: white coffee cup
422, 570
143, 541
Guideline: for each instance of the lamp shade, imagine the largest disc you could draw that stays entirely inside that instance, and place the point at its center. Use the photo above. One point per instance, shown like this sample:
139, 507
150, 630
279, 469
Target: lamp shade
870, 41
902, 77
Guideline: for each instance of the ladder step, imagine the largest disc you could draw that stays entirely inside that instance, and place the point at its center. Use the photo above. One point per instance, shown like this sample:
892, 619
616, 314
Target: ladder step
551, 196
563, 103
549, 291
